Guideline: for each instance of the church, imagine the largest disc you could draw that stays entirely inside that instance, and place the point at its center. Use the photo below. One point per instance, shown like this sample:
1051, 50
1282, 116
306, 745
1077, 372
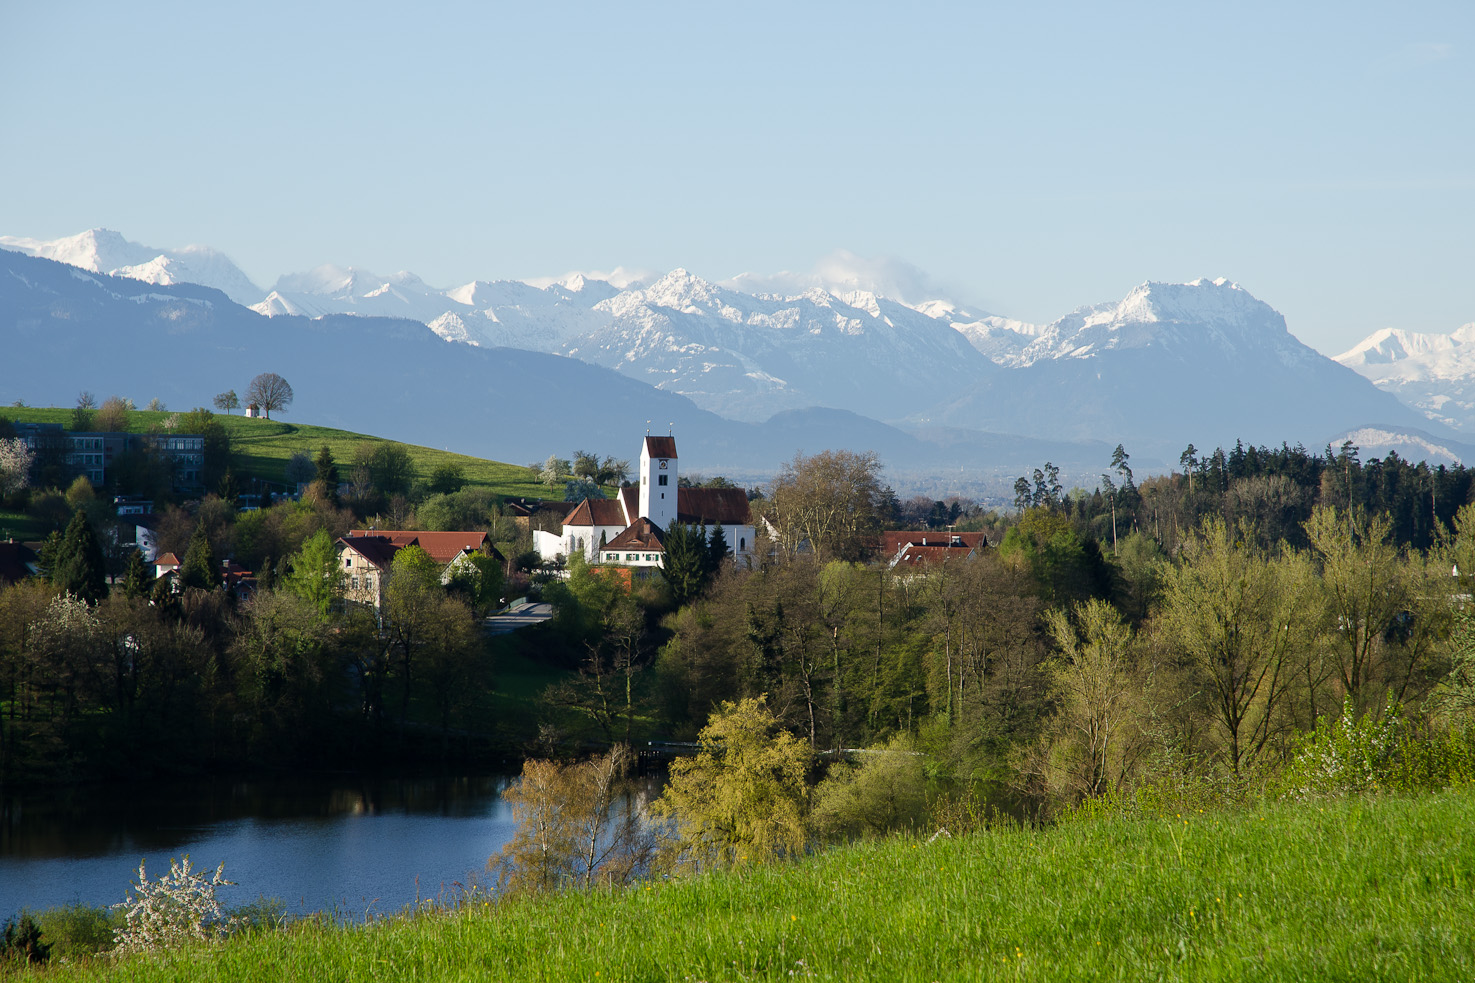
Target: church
630, 530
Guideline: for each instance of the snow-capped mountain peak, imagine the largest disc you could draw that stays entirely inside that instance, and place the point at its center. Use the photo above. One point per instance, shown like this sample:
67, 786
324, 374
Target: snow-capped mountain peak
1179, 317
106, 251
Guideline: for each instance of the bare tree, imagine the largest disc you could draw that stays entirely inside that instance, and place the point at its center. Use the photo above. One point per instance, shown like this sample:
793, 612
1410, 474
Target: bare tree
270, 392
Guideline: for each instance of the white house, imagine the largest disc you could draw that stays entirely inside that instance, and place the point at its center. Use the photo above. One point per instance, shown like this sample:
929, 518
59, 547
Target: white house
610, 531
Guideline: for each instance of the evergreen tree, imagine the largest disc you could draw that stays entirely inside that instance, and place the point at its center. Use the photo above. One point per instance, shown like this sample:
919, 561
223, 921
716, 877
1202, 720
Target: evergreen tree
685, 565
327, 470
77, 562
716, 550
137, 579
200, 568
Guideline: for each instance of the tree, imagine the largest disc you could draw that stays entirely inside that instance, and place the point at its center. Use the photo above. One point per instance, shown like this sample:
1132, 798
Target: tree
316, 574
553, 470
1378, 616
200, 568
885, 793
137, 577
327, 470
228, 401
82, 416
299, 470
684, 563
270, 392
177, 909
1098, 732
741, 799
447, 479
389, 466
1239, 619
831, 501
113, 417
569, 831
15, 465
78, 564
156, 405
217, 450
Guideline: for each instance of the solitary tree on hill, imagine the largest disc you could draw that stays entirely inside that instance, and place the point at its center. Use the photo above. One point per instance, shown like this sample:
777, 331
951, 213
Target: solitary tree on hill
270, 392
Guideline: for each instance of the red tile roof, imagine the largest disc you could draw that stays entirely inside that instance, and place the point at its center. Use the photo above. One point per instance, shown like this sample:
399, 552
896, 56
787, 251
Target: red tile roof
918, 556
713, 506
596, 512
443, 547
523, 508
630, 498
378, 550
660, 447
893, 540
167, 560
642, 534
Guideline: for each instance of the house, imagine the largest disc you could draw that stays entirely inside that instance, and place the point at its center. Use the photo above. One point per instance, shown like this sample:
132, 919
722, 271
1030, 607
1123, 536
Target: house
367, 554
628, 530
166, 564
17, 562
907, 549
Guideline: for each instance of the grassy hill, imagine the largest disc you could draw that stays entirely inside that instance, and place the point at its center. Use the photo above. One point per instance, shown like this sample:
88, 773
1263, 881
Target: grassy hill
1376, 889
261, 448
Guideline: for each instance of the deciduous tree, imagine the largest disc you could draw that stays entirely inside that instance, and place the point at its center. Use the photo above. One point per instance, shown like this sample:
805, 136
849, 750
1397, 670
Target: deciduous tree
741, 799
831, 501
270, 392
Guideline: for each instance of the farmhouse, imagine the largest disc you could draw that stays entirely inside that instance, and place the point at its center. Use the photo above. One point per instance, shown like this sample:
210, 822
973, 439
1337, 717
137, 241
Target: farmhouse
365, 556
630, 529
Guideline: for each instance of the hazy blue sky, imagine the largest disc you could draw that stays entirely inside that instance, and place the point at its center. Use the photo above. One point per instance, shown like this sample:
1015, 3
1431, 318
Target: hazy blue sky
1030, 157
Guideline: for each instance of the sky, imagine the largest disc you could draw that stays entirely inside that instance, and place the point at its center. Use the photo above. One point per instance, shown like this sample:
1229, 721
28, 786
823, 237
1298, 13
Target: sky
1023, 158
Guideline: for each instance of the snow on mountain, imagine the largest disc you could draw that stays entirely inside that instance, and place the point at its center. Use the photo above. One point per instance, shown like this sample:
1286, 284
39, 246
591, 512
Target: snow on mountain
843, 272
1433, 373
1214, 314
1408, 443
748, 356
1168, 364
500, 313
106, 251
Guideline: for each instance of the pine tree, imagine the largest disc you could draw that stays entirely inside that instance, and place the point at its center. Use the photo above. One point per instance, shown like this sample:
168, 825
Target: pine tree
685, 564
717, 550
77, 562
137, 579
327, 470
200, 568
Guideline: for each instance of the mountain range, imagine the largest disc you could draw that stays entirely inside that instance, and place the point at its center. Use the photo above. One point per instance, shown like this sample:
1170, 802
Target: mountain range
768, 365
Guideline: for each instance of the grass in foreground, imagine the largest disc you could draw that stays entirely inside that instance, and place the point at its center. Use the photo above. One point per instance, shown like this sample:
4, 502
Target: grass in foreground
1353, 890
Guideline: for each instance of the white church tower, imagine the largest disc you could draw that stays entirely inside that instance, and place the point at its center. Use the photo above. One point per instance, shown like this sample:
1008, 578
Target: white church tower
658, 480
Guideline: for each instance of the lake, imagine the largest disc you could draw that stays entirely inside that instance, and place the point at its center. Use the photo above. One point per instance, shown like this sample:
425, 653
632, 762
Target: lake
349, 845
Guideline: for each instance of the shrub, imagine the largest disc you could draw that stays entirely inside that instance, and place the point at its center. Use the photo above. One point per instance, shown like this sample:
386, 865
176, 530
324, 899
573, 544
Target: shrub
177, 909
21, 941
885, 792
1346, 755
77, 930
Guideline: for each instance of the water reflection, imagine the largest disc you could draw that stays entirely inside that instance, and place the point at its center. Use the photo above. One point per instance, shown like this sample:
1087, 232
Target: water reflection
341, 843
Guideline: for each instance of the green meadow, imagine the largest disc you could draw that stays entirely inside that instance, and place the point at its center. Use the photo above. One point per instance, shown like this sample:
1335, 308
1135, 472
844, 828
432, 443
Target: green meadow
261, 448
1356, 889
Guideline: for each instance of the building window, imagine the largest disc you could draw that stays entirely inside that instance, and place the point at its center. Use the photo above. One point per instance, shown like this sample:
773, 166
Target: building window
742, 543
353, 582
348, 561
662, 482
